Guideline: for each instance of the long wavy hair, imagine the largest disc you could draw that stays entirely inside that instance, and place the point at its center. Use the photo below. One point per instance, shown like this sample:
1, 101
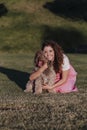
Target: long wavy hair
58, 54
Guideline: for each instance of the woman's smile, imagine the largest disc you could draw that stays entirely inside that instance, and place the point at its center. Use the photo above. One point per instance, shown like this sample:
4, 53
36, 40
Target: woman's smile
49, 53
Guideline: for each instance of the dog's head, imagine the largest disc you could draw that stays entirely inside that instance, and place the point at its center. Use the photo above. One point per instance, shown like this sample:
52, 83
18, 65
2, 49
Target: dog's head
40, 59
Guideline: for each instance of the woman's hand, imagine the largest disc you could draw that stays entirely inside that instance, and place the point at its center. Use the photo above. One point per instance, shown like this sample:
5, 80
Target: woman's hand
45, 66
45, 86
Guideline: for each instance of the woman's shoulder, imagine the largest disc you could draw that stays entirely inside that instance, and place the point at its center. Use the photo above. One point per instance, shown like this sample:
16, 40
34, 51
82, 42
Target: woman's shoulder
66, 63
65, 56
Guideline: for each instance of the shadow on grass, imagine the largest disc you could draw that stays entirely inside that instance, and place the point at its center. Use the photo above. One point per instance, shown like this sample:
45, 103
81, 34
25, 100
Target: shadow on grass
3, 9
75, 9
71, 40
19, 77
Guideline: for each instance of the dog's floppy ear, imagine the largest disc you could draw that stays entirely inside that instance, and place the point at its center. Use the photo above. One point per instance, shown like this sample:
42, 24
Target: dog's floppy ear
37, 56
36, 59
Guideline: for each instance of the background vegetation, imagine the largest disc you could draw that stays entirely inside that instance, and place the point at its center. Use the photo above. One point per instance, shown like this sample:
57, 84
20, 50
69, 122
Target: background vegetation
29, 22
23, 28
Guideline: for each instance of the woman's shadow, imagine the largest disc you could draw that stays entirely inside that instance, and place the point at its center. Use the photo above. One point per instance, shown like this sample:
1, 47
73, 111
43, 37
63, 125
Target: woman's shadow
19, 77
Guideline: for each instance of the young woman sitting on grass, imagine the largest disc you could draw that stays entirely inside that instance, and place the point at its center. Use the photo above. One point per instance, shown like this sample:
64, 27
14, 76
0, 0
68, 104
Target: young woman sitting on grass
65, 74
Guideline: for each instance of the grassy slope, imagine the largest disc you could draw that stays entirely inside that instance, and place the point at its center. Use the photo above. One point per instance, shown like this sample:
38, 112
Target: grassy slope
20, 111
22, 30
28, 23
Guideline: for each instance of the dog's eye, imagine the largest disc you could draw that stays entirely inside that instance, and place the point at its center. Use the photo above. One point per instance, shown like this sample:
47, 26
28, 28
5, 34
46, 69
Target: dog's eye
50, 51
45, 52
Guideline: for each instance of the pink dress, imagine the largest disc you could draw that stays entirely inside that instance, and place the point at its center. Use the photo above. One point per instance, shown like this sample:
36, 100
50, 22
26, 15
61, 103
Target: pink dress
69, 85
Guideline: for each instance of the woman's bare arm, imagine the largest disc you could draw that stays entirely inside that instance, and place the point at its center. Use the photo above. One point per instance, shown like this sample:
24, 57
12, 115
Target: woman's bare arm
63, 80
36, 74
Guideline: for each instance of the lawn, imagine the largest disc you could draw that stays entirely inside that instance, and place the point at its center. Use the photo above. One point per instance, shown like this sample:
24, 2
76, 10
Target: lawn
22, 30
29, 22
21, 111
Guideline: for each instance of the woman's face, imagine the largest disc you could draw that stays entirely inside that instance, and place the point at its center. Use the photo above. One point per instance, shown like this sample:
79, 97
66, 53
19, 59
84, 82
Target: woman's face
49, 53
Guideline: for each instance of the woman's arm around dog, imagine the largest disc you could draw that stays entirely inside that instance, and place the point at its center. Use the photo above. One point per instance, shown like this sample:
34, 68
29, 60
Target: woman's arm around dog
36, 74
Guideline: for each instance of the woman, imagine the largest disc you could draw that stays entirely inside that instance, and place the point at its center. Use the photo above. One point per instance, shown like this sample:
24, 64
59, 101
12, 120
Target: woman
65, 73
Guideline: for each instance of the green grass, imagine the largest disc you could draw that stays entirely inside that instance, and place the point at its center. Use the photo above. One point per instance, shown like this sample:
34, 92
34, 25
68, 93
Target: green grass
27, 24
21, 111
22, 31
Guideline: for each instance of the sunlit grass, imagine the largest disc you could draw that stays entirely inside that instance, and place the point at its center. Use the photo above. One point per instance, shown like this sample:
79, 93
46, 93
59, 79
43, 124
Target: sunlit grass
19, 110
24, 62
28, 23
22, 31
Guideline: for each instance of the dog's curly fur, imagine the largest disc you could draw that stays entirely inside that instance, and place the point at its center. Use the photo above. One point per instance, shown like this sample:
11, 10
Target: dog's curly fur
47, 77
